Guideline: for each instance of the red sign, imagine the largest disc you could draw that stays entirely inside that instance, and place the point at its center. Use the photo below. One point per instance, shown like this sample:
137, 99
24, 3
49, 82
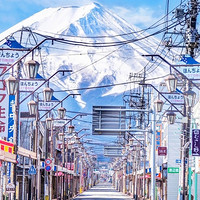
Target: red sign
6, 146
162, 151
70, 166
48, 161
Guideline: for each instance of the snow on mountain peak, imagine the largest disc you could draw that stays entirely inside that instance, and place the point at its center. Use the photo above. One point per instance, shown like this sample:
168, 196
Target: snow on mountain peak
91, 66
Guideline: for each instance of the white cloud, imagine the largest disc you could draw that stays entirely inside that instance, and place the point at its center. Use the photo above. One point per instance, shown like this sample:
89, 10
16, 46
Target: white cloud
142, 16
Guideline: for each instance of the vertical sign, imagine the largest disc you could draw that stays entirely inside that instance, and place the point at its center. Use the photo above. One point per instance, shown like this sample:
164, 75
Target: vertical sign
10, 129
3, 105
158, 135
196, 142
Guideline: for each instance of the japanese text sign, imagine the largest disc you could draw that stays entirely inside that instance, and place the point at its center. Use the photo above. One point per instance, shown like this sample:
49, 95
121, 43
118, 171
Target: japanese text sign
196, 142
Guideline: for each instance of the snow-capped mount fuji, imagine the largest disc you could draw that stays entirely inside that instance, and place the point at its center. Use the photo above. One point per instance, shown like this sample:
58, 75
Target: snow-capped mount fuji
92, 66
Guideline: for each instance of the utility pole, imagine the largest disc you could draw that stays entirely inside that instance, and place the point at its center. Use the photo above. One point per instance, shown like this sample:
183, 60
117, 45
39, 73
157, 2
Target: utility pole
192, 43
192, 36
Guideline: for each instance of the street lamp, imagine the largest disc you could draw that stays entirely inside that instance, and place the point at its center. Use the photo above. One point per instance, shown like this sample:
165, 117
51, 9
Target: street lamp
49, 122
61, 112
171, 116
189, 98
32, 106
48, 93
32, 68
158, 105
70, 129
12, 85
171, 82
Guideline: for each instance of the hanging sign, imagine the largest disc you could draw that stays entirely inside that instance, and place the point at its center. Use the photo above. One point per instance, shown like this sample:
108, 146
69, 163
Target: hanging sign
196, 142
162, 151
29, 85
45, 106
191, 72
174, 98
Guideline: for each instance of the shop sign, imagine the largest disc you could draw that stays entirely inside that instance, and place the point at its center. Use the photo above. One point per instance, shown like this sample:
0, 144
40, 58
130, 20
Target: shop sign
196, 142
175, 98
10, 56
10, 188
59, 123
162, 151
29, 85
45, 106
191, 72
173, 169
4, 98
158, 135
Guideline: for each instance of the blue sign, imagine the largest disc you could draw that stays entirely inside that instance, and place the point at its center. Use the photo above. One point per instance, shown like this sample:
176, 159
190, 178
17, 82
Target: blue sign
178, 161
10, 129
48, 168
32, 170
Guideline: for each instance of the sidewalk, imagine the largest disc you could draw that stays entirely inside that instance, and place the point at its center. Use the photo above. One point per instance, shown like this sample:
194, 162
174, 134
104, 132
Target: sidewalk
102, 191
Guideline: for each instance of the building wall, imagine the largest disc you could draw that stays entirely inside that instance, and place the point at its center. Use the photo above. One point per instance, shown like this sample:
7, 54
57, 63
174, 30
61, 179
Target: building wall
173, 134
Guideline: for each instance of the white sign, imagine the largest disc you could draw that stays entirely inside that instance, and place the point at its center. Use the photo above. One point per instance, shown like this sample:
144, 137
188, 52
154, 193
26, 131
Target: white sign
47, 105
59, 122
174, 98
29, 85
192, 72
197, 165
10, 56
10, 188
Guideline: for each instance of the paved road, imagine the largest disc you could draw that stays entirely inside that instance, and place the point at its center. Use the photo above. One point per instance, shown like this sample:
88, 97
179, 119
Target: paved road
103, 191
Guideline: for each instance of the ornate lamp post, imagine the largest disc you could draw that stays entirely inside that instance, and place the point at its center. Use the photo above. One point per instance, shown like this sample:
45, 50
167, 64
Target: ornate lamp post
48, 93
12, 85
171, 82
32, 68
171, 116
70, 129
61, 112
158, 105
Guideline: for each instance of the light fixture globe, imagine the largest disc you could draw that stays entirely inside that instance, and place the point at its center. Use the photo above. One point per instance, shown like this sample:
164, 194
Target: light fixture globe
189, 98
11, 85
32, 106
171, 82
70, 129
158, 105
61, 112
49, 122
32, 68
171, 116
48, 93
60, 136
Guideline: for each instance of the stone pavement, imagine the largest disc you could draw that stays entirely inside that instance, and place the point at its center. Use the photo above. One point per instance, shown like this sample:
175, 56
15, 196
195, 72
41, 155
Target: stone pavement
102, 191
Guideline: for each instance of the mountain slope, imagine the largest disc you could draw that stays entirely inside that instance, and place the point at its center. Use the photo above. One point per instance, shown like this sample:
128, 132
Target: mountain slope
92, 66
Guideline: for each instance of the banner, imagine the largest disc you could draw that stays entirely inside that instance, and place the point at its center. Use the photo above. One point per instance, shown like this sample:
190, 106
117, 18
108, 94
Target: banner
196, 142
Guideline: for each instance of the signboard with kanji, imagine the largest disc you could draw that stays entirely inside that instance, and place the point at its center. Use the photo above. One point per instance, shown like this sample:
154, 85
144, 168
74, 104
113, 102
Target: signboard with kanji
196, 142
173, 170
10, 188
4, 97
47, 105
158, 135
6, 146
162, 151
190, 71
174, 98
29, 85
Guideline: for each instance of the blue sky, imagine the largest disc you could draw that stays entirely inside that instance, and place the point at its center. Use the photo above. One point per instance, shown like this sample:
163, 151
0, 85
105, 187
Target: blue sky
140, 13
